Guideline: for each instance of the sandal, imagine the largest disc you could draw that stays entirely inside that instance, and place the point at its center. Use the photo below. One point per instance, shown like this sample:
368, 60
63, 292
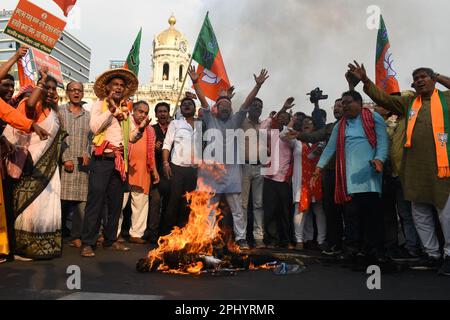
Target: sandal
75, 243
87, 252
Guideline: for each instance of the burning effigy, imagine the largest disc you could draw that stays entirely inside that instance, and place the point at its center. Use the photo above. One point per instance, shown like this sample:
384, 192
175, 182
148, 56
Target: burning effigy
201, 246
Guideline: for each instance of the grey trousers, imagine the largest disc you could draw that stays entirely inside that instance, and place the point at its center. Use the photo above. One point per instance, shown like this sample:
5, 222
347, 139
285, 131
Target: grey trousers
252, 178
239, 223
423, 218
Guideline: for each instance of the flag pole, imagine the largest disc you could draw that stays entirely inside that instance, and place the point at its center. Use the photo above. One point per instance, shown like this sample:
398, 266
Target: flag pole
182, 86
185, 76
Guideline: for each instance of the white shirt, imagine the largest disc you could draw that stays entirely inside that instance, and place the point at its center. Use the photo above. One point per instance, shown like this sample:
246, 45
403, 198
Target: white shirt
184, 141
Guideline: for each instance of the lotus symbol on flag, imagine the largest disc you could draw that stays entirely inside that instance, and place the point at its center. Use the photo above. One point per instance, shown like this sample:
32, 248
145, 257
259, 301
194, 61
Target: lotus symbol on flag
209, 77
212, 44
388, 64
27, 67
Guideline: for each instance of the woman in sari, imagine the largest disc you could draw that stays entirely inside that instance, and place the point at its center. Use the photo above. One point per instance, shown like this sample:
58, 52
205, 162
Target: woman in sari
36, 195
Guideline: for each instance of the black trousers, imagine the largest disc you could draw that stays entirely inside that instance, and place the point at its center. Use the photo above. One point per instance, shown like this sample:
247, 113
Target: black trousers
278, 218
389, 209
333, 211
364, 224
159, 199
105, 184
184, 179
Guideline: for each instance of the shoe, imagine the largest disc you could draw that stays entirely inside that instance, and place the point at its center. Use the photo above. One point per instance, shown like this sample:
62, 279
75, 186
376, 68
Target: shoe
87, 252
75, 243
444, 270
121, 239
242, 244
322, 246
299, 246
117, 246
136, 240
22, 259
426, 263
2, 260
400, 254
415, 252
360, 262
331, 250
259, 244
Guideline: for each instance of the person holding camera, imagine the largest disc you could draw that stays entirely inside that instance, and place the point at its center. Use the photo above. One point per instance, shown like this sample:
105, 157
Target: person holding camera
319, 115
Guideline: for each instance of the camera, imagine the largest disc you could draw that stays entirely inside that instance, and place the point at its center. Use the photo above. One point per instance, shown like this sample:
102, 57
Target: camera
316, 95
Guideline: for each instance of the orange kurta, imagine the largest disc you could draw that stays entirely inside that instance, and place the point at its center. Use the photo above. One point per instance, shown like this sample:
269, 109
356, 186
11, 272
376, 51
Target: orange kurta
138, 172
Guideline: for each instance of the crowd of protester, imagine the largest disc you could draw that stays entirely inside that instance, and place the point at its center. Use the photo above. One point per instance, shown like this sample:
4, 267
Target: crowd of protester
371, 186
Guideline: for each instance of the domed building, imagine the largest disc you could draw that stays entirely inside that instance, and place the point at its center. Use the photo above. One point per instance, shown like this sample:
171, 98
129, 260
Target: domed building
170, 60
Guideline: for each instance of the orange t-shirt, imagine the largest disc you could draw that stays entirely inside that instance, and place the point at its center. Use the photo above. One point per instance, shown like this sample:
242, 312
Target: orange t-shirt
138, 172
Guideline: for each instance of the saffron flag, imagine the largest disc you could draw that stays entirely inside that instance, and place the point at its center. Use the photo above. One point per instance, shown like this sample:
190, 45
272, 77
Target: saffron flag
25, 70
213, 76
65, 5
386, 76
132, 62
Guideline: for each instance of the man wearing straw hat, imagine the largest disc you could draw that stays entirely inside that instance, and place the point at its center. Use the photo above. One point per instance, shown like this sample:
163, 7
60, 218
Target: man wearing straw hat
110, 125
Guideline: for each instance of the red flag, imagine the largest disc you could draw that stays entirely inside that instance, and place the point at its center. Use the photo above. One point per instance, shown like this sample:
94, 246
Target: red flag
65, 5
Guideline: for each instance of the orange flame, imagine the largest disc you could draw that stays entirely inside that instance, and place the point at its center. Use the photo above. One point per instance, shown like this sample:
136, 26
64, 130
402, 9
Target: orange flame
197, 236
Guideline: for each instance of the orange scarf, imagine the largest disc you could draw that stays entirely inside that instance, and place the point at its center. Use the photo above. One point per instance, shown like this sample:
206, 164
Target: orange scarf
440, 123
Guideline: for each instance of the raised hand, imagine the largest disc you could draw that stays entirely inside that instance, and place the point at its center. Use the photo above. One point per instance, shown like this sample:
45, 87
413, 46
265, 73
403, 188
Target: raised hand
289, 103
190, 95
230, 92
358, 71
263, 76
111, 103
43, 72
193, 75
21, 52
352, 80
144, 124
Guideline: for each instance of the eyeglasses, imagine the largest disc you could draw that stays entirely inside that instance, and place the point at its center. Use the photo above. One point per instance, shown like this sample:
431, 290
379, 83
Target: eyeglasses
75, 90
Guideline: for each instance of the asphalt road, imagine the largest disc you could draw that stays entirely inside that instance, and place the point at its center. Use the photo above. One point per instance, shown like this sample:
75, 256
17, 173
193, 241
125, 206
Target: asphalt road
112, 275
